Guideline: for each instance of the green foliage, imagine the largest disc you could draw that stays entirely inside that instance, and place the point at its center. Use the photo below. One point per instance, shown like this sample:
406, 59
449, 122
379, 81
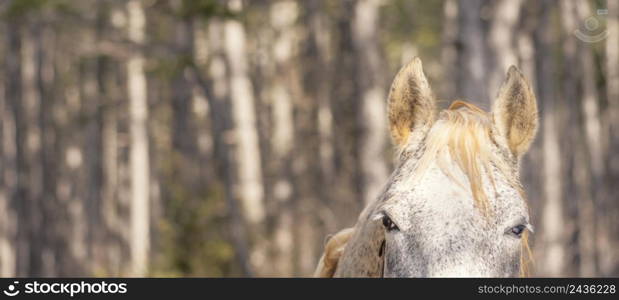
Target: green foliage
417, 23
170, 67
192, 233
22, 8
205, 9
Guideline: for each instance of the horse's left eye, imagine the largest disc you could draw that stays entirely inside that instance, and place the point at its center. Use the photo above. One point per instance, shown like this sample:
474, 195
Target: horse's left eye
388, 224
518, 230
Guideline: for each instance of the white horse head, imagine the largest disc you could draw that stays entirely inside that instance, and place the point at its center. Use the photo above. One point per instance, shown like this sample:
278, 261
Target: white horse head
454, 205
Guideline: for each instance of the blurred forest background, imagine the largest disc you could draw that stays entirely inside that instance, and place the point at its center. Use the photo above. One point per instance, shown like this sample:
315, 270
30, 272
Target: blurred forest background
228, 138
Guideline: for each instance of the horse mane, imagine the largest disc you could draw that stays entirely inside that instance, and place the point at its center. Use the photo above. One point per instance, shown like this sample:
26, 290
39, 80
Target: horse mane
333, 251
463, 134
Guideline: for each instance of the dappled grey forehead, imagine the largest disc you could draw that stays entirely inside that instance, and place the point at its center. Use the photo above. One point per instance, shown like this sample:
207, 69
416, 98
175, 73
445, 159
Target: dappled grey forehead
433, 195
442, 232
458, 163
410, 200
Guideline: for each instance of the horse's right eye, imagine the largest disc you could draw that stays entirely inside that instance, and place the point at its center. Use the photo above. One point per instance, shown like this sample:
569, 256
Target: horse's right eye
518, 230
389, 225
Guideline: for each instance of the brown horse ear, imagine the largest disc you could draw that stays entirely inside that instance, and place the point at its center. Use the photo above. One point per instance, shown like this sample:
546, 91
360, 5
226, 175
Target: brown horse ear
411, 102
515, 112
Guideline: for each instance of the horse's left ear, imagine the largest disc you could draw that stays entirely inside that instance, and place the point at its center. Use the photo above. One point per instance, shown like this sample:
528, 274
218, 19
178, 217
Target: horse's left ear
410, 104
515, 112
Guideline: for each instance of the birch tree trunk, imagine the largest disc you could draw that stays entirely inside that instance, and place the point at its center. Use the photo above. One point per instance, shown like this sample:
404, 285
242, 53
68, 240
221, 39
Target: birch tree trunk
283, 16
249, 186
138, 111
372, 115
501, 40
218, 96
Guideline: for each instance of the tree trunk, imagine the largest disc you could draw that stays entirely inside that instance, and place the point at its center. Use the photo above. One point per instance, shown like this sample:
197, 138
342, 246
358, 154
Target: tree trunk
138, 111
346, 189
578, 93
612, 76
7, 213
216, 92
45, 59
183, 131
501, 39
31, 182
472, 57
372, 115
91, 147
110, 242
449, 50
609, 258
552, 238
11, 96
249, 186
283, 17
593, 171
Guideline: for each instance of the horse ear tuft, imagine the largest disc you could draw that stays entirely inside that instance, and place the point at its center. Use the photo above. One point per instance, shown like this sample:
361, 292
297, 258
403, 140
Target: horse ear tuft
411, 103
515, 112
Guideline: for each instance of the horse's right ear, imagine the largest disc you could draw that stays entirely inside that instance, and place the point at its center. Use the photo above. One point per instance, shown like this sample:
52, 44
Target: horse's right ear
515, 112
411, 104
